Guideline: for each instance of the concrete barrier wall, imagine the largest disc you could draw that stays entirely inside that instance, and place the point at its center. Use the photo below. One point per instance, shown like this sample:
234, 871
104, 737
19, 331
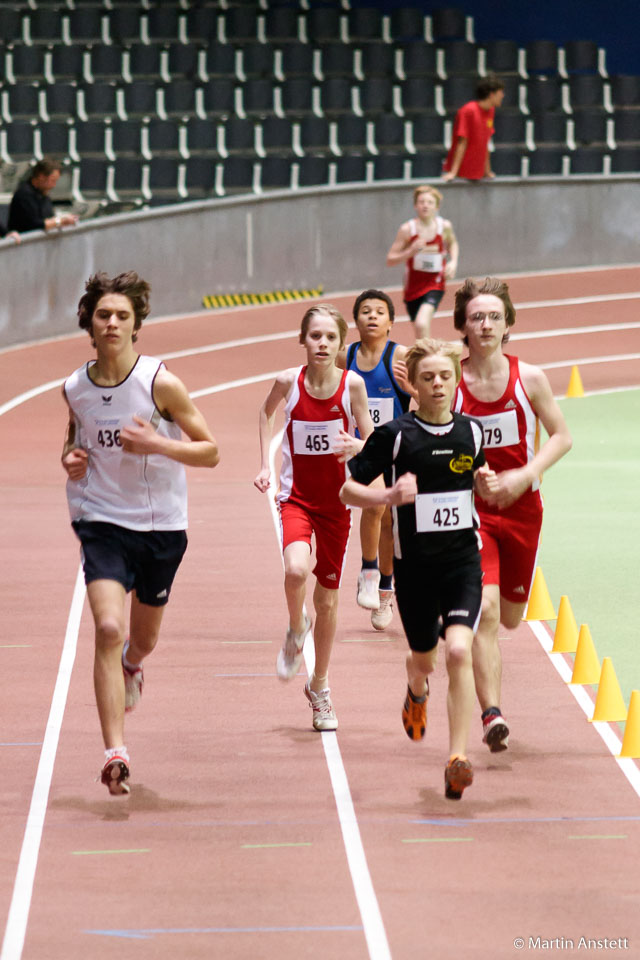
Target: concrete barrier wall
335, 237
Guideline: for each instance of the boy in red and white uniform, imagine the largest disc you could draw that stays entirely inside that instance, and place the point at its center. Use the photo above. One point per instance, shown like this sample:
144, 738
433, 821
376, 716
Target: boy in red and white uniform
510, 399
469, 156
428, 247
322, 405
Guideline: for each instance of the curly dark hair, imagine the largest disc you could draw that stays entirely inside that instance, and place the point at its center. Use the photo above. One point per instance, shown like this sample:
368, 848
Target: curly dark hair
374, 295
128, 284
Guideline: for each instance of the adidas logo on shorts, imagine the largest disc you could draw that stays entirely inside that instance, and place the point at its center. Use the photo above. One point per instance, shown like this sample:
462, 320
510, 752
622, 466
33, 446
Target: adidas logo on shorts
331, 576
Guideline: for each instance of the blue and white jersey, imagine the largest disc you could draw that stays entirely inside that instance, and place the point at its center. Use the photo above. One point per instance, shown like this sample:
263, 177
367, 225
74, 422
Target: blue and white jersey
387, 400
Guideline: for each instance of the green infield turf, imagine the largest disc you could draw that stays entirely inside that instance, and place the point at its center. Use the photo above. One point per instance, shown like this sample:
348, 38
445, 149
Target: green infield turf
590, 547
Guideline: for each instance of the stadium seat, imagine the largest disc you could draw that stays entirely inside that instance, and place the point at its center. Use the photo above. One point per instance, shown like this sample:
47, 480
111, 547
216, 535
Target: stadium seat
501, 57
389, 133
140, 98
183, 61
67, 63
90, 138
238, 175
456, 91
390, 166
165, 180
547, 161
240, 24
105, 63
625, 160
419, 59
407, 24
335, 95
627, 126
417, 95
587, 160
351, 169
165, 24
625, 90
179, 98
20, 102
590, 126
460, 59
424, 166
507, 161
336, 60
364, 24
124, 24
44, 26
543, 94
296, 97
220, 60
376, 96
314, 135
60, 101
87, 25
257, 97
202, 24
448, 23
257, 60
143, 61
164, 137
239, 136
94, 177
11, 27
581, 56
550, 128
128, 175
351, 134
282, 25
296, 60
25, 63
276, 136
586, 90
427, 132
18, 141
218, 97
375, 60
200, 177
322, 24
202, 137
55, 139
313, 171
126, 139
510, 128
275, 173
542, 57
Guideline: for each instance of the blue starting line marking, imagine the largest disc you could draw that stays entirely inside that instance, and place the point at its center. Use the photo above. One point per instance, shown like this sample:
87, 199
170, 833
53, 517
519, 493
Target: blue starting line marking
156, 931
445, 822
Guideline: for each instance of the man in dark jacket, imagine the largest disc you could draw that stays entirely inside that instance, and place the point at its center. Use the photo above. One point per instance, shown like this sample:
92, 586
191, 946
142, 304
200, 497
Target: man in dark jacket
31, 207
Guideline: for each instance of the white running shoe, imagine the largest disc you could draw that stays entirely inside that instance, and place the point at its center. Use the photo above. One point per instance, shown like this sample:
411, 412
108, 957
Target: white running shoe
324, 717
290, 656
133, 684
382, 617
368, 583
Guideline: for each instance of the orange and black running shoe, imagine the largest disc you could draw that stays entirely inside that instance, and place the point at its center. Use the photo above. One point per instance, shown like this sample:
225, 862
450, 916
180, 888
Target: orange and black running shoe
414, 714
458, 774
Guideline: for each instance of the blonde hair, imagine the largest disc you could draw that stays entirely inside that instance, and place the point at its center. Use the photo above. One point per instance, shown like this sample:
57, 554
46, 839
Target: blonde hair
427, 347
328, 310
425, 188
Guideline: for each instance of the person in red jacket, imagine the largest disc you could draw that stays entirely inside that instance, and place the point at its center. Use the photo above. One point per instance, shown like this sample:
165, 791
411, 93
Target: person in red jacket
469, 156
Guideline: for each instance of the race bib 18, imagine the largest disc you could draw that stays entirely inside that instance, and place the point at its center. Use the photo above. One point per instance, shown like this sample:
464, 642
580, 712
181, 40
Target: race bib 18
381, 409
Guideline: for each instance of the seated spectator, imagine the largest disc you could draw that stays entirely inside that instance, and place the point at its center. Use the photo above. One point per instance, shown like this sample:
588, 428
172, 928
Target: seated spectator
31, 207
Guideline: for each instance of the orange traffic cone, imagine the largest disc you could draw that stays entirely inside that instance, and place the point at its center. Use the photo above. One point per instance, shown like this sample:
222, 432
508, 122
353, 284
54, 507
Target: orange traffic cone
575, 388
609, 701
565, 639
586, 666
631, 739
539, 606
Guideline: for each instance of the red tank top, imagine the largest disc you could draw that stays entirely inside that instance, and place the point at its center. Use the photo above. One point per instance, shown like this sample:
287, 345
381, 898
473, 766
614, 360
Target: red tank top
420, 277
510, 427
310, 474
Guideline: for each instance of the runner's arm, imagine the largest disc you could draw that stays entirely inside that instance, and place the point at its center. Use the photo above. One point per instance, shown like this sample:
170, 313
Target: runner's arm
279, 391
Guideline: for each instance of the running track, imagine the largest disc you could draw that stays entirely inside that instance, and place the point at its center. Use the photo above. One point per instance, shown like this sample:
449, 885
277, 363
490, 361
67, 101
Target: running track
248, 835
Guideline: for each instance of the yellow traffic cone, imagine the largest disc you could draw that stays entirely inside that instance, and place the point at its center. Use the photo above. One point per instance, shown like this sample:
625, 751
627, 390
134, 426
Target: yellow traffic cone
575, 388
539, 606
586, 666
609, 701
631, 739
565, 639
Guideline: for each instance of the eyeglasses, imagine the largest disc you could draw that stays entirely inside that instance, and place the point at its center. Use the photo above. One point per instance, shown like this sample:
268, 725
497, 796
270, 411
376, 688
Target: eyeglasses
479, 317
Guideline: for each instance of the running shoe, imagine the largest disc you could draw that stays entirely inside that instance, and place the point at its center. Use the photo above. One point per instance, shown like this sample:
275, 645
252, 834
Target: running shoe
382, 617
290, 656
115, 774
324, 717
414, 714
495, 732
368, 595
133, 684
458, 774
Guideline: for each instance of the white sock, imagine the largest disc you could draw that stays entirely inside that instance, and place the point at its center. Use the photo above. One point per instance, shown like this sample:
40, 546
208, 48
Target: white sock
116, 752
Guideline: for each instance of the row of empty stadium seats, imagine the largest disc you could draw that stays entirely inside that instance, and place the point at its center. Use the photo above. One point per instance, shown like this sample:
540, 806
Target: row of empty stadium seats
169, 180
23, 140
169, 60
261, 96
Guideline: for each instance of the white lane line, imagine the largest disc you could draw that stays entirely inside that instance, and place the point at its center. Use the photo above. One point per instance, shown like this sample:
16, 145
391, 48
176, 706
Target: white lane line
23, 887
368, 906
586, 704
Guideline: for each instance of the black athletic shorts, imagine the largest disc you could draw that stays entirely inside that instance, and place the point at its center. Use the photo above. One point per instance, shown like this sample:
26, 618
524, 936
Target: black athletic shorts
433, 297
426, 593
142, 560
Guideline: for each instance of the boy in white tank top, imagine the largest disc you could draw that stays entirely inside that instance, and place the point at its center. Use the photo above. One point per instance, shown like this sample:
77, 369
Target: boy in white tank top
124, 455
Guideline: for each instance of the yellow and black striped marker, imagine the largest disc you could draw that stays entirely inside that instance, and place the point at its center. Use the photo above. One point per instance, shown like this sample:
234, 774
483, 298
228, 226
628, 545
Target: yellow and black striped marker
216, 301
